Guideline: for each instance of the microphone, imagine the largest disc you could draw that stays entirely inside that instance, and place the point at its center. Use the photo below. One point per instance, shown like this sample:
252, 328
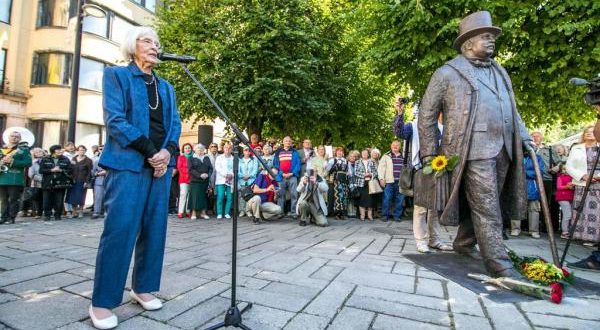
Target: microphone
176, 58
578, 82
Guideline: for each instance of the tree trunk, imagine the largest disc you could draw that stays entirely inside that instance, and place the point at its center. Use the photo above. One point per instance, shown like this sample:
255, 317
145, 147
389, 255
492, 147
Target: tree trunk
255, 126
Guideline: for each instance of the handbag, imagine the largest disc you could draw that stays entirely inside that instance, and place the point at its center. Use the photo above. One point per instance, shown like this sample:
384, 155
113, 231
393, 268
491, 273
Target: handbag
374, 187
407, 176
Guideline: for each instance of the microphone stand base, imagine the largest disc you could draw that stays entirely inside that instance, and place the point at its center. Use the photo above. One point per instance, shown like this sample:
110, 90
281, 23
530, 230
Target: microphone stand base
233, 318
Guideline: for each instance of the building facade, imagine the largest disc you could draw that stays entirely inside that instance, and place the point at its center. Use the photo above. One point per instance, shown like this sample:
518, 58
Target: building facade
37, 43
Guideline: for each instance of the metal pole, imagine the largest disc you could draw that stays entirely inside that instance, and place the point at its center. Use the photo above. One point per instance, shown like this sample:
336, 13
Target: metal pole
545, 208
75, 73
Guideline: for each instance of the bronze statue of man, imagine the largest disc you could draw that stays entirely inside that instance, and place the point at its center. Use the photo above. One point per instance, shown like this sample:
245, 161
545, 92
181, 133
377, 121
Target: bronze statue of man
483, 128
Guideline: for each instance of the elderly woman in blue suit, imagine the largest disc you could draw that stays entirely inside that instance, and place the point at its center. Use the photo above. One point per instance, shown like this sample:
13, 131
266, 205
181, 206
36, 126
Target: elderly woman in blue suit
143, 128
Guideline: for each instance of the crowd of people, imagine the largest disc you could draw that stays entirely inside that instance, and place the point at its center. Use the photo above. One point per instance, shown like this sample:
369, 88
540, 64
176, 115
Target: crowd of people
49, 184
304, 184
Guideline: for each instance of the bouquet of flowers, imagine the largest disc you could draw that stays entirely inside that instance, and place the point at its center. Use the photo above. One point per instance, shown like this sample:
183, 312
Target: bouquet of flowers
543, 273
553, 292
440, 165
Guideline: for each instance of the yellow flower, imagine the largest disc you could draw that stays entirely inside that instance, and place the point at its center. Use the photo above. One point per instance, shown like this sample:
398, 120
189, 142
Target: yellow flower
439, 163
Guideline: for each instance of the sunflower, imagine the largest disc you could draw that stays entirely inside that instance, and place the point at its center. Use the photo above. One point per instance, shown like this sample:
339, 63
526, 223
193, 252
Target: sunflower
439, 163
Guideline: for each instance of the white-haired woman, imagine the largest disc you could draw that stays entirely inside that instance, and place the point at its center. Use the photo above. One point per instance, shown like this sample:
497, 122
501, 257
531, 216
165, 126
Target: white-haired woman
143, 128
200, 169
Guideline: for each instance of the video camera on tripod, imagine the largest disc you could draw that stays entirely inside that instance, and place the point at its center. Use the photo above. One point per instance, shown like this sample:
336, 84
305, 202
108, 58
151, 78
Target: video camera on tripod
592, 97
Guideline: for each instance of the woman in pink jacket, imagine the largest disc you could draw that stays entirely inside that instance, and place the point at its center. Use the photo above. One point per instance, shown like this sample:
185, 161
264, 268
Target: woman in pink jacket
184, 180
565, 191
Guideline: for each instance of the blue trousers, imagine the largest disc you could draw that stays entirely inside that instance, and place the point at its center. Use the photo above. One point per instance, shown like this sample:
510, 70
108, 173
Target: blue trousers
391, 194
136, 205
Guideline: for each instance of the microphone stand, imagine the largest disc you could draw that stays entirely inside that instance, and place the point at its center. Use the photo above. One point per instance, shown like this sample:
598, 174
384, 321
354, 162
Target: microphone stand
233, 316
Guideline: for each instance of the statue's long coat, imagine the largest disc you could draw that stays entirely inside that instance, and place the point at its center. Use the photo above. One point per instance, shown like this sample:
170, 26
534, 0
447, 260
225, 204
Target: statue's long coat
453, 91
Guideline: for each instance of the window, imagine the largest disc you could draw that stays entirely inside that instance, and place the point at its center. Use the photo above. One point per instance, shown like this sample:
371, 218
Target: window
2, 66
53, 13
90, 74
148, 4
51, 69
5, 11
96, 25
119, 30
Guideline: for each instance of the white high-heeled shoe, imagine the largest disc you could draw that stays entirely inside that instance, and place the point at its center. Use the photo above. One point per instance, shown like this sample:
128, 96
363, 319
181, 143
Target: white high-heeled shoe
151, 305
107, 323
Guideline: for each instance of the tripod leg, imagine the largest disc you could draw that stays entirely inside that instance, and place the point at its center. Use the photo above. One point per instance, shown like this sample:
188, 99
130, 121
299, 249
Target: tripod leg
243, 327
245, 309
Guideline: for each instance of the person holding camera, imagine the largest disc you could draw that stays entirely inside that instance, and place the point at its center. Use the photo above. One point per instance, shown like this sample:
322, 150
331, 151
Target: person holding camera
56, 179
311, 202
262, 205
15, 158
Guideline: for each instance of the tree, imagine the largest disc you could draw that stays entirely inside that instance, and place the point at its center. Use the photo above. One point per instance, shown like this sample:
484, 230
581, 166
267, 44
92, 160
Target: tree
278, 67
543, 43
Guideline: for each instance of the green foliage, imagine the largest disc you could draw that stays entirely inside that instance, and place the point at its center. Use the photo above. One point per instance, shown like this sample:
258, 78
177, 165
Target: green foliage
543, 44
277, 68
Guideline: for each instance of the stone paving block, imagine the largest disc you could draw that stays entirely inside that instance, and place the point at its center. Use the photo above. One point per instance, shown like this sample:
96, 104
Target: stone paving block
44, 284
462, 321
128, 310
203, 273
6, 297
352, 319
179, 256
173, 284
378, 280
327, 273
328, 302
186, 301
201, 314
140, 322
498, 315
85, 271
559, 322
216, 266
423, 272
573, 307
266, 318
402, 298
245, 281
31, 272
463, 300
287, 302
309, 267
403, 268
307, 322
85, 289
44, 311
77, 326
290, 289
286, 278
413, 312
281, 262
385, 322
25, 260
380, 266
429, 287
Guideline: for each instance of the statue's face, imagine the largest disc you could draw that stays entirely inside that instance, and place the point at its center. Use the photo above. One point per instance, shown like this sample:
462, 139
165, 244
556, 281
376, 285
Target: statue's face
482, 45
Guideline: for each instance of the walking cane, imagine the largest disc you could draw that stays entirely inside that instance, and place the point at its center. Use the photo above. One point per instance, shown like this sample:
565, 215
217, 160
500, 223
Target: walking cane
545, 209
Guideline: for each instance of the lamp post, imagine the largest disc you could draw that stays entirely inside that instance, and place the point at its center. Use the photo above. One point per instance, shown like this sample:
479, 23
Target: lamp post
83, 10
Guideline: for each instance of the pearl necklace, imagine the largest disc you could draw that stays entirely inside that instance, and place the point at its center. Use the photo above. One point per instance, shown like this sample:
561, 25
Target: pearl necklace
153, 81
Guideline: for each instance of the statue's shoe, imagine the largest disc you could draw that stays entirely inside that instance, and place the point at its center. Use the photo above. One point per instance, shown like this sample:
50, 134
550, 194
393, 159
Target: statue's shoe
468, 251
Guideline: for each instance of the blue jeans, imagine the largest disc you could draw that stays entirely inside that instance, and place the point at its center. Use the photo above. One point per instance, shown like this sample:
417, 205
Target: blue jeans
137, 217
391, 194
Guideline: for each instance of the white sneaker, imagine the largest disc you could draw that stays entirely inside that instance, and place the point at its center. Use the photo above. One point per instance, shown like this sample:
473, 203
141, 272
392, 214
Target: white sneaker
151, 305
107, 323
441, 246
423, 248
535, 234
193, 217
204, 216
515, 232
227, 216
242, 214
219, 216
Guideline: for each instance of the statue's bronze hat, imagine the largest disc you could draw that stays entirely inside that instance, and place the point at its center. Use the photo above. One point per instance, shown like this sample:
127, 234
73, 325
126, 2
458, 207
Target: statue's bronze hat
474, 24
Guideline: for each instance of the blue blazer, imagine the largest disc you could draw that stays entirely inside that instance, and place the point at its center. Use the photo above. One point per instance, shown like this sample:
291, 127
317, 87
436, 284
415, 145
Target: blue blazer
295, 164
126, 117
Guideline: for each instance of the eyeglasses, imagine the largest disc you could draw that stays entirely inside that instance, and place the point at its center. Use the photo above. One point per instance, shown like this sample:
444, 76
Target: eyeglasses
149, 42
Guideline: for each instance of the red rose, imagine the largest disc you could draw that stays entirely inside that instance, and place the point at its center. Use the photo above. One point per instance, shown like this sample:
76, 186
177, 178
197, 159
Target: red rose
565, 272
557, 292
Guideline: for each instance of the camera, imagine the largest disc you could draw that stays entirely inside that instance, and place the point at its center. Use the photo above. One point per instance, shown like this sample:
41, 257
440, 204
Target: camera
592, 97
310, 172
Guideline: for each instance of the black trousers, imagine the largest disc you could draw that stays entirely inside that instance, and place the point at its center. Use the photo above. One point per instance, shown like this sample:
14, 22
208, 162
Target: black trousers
10, 198
53, 199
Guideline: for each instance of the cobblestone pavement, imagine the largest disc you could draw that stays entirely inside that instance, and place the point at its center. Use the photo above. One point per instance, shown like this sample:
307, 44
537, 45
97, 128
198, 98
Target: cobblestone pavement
351, 275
